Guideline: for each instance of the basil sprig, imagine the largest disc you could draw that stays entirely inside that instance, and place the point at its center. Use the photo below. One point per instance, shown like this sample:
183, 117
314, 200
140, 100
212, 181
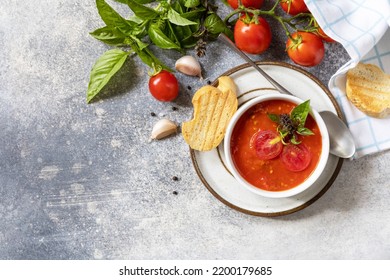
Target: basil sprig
167, 24
289, 125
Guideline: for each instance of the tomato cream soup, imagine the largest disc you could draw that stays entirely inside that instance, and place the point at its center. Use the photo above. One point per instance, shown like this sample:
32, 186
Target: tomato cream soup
263, 159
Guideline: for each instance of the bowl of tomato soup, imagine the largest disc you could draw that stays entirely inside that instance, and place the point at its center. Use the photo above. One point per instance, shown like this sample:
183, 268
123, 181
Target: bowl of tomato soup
276, 145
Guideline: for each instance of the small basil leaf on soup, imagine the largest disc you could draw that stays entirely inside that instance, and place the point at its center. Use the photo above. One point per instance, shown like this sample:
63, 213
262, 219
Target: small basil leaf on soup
274, 117
299, 113
304, 131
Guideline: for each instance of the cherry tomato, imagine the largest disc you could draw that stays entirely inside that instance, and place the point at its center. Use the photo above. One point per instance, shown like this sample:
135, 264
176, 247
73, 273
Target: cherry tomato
164, 86
306, 49
296, 157
294, 7
323, 36
256, 4
251, 37
268, 144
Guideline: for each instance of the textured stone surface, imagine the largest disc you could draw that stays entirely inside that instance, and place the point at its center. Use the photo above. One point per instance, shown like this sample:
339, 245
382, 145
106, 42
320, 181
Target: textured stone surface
82, 181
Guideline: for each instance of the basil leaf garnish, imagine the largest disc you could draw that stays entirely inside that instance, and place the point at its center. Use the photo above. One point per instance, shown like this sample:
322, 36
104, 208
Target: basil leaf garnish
191, 3
274, 117
299, 113
111, 17
141, 11
104, 69
159, 38
139, 1
304, 131
108, 35
177, 19
293, 124
215, 25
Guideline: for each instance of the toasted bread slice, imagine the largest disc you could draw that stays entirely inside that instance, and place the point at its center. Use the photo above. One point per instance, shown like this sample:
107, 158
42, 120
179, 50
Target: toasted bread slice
368, 88
213, 109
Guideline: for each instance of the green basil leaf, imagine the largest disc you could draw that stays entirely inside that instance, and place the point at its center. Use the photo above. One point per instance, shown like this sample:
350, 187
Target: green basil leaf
111, 17
181, 33
150, 59
158, 37
131, 40
189, 42
194, 14
274, 117
139, 1
295, 141
108, 35
300, 112
141, 11
173, 33
191, 3
104, 69
175, 18
178, 7
146, 55
135, 19
215, 25
304, 131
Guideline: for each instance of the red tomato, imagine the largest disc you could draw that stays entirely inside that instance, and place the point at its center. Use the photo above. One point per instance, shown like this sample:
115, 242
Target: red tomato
268, 144
164, 86
256, 4
306, 49
296, 157
252, 38
294, 7
323, 36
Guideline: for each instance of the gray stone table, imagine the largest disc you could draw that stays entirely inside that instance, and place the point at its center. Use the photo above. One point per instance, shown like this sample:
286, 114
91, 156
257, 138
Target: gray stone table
82, 181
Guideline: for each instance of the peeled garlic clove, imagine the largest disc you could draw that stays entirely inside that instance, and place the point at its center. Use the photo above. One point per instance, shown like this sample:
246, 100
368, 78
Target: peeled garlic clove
189, 65
163, 128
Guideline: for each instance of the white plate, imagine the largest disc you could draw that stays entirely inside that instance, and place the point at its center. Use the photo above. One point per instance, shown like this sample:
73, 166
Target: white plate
211, 167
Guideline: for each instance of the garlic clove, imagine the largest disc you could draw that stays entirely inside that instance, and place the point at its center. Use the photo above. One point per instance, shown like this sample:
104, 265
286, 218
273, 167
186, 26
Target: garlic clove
163, 128
189, 65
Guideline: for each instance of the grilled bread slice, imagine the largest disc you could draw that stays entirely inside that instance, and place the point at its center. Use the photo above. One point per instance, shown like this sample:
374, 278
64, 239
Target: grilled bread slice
213, 109
368, 88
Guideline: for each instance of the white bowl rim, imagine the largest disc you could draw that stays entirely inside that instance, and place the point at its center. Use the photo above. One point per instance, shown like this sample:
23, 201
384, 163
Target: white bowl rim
313, 176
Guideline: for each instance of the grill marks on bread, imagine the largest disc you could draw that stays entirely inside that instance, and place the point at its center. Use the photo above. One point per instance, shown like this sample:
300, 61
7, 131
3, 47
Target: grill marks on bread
213, 109
368, 88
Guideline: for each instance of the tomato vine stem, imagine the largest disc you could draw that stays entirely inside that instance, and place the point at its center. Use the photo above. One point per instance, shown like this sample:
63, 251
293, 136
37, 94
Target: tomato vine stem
290, 24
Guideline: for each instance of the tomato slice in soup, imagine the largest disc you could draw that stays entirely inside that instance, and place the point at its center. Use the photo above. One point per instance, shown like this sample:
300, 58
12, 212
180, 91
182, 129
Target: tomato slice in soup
268, 144
296, 157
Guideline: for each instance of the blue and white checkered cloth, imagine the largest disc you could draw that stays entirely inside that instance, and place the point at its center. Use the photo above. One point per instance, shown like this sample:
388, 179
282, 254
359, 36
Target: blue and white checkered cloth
362, 27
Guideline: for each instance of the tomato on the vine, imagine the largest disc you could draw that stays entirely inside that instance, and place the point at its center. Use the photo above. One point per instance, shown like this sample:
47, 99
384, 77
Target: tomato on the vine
164, 86
256, 4
294, 7
252, 37
304, 48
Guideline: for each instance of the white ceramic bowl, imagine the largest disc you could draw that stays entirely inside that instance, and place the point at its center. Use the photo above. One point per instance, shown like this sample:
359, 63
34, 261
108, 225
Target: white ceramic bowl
312, 177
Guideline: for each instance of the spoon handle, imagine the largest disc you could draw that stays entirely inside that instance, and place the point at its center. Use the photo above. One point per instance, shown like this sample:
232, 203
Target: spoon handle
225, 39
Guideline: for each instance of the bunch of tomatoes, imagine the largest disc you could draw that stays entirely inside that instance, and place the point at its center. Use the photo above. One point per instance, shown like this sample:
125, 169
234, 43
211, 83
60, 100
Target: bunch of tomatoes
252, 34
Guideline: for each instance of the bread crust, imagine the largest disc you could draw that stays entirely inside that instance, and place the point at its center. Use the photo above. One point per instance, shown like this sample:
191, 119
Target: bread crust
368, 88
213, 109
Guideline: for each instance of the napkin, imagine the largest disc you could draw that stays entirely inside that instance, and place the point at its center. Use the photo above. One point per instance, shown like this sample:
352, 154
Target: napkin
362, 27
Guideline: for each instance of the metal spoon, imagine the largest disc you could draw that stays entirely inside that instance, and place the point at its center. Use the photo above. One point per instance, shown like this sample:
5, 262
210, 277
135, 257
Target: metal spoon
340, 137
